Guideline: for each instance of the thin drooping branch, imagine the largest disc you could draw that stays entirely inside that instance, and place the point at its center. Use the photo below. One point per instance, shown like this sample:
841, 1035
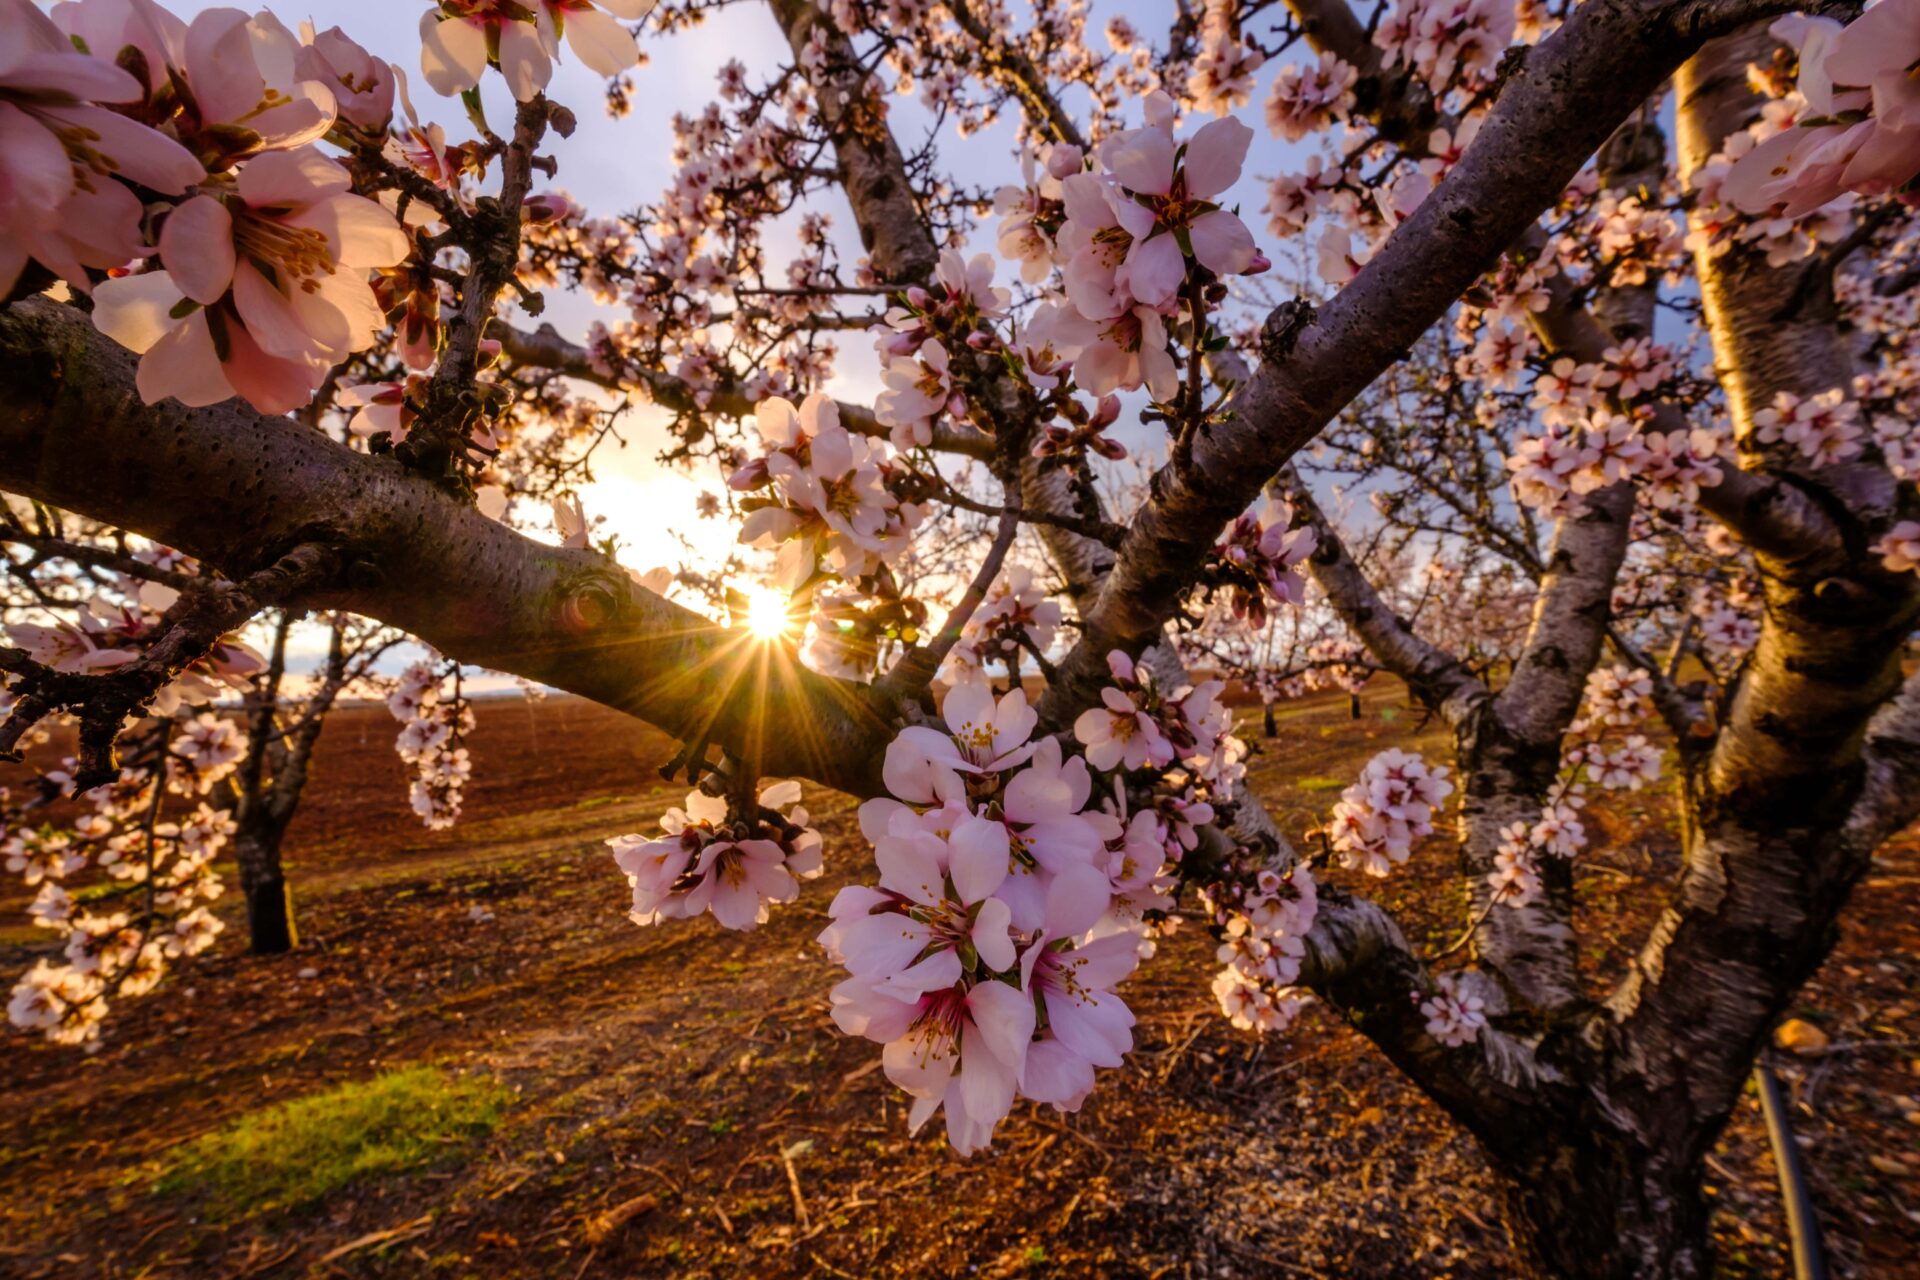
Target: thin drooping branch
1438, 678
547, 348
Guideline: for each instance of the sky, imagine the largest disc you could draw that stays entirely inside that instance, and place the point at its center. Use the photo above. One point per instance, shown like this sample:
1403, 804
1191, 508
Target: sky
611, 166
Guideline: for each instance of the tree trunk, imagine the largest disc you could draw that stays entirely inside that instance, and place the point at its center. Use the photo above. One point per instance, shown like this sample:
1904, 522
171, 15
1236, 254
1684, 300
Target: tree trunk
1266, 720
269, 896
1601, 1208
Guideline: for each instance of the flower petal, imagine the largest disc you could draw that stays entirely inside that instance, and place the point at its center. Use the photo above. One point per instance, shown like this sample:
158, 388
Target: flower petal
1214, 157
196, 244
134, 310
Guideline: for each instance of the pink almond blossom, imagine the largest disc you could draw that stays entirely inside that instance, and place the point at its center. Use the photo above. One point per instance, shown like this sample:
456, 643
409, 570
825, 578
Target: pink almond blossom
264, 288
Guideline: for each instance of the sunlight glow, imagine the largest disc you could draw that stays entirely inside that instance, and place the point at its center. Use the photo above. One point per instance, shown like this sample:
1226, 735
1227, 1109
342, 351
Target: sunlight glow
767, 615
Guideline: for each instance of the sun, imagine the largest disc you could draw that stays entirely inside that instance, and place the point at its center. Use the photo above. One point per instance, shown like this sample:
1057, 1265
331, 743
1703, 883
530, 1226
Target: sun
767, 613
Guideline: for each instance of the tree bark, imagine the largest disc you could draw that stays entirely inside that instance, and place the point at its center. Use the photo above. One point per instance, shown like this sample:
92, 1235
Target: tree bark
1598, 1204
258, 830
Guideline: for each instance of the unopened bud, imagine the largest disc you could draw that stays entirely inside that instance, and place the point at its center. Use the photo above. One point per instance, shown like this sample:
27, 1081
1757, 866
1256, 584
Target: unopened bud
751, 476
548, 206
1065, 160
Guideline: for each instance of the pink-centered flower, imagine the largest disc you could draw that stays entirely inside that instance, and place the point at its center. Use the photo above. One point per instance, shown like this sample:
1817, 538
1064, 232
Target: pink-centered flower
247, 93
1088, 1026
984, 736
1120, 733
1170, 204
959, 1048
65, 162
703, 862
934, 917
264, 288
1124, 353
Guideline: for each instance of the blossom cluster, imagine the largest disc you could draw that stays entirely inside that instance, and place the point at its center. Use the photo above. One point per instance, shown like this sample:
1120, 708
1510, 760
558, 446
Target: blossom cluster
1015, 618
1015, 890
1455, 1016
1596, 420
192, 145
154, 858
1259, 921
1378, 817
730, 859
819, 493
1601, 748
1125, 234
985, 958
1258, 553
1442, 40
435, 722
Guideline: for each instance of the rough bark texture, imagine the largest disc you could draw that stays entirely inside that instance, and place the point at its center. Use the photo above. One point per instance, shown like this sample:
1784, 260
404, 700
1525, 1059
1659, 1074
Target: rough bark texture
872, 169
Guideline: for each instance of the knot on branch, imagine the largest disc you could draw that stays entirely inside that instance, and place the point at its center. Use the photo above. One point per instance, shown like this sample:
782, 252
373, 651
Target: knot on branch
1281, 333
588, 600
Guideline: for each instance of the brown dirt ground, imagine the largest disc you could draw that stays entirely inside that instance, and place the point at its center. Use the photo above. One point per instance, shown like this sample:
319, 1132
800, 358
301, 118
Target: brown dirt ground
663, 1071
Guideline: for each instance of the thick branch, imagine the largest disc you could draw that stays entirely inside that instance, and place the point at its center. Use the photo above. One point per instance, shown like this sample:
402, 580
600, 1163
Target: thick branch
235, 488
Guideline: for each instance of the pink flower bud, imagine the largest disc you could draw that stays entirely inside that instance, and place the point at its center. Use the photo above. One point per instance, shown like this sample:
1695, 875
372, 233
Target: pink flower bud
1063, 161
1106, 412
981, 341
549, 206
1260, 263
918, 298
751, 476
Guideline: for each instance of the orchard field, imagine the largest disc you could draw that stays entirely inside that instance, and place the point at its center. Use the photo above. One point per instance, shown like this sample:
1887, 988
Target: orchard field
475, 1066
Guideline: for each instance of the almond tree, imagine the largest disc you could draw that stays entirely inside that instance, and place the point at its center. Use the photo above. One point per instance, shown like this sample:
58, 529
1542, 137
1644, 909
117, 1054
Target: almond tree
1479, 171
283, 728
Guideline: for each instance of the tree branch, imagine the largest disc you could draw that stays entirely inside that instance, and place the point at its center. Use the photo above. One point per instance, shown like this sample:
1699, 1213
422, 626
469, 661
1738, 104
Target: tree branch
232, 487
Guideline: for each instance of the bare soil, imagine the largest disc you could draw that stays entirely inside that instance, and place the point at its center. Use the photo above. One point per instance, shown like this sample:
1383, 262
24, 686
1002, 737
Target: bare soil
670, 1080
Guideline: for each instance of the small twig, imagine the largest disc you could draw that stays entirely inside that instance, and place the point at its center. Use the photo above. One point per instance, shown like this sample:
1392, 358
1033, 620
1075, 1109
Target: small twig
913, 672
793, 1184
1467, 937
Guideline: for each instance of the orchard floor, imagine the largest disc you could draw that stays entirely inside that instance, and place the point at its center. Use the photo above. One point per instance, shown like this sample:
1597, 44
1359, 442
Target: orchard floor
682, 1105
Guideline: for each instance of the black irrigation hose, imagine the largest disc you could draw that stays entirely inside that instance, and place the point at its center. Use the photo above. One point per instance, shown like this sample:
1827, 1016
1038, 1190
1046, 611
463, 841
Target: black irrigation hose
1803, 1227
